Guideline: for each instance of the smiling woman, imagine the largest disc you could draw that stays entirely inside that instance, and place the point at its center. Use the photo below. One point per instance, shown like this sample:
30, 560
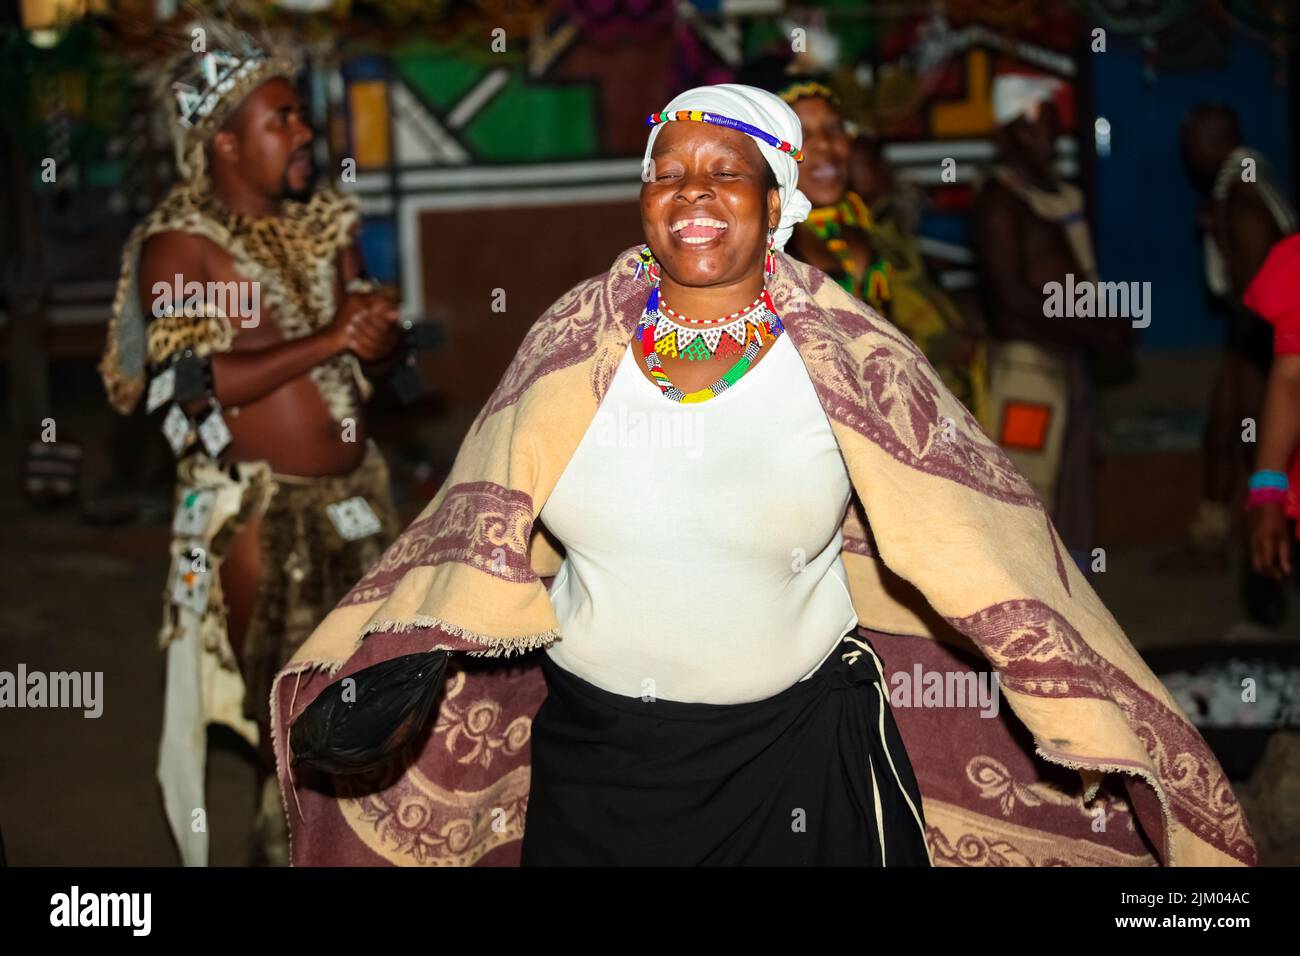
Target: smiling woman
864, 242
709, 731
738, 722
707, 210
711, 211
702, 683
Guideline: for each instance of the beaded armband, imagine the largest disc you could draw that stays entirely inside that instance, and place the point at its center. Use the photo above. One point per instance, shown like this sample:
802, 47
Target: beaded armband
179, 347
172, 333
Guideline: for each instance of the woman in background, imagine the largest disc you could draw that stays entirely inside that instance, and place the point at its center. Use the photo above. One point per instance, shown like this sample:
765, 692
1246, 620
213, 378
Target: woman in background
1274, 497
707, 688
865, 241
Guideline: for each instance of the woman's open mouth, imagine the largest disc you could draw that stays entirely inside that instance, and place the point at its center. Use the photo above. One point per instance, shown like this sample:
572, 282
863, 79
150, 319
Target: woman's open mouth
824, 174
697, 230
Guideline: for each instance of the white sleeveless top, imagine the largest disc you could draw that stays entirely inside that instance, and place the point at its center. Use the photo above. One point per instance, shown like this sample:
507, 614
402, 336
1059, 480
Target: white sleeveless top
703, 540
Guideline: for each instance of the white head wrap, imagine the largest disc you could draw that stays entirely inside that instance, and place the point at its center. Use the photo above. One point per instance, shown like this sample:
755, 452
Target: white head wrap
769, 113
1015, 96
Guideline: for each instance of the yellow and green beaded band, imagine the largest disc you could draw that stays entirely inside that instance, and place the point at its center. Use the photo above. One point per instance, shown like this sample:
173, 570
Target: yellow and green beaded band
797, 91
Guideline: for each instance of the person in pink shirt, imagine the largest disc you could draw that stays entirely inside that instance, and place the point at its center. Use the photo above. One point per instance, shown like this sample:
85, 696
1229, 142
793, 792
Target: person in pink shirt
1274, 497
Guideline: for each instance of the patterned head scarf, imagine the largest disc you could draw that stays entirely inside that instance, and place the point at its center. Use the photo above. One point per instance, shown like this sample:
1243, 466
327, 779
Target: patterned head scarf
768, 119
203, 88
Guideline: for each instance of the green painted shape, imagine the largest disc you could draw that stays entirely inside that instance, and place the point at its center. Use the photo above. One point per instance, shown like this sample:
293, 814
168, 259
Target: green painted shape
759, 34
858, 35
523, 122
530, 123
438, 75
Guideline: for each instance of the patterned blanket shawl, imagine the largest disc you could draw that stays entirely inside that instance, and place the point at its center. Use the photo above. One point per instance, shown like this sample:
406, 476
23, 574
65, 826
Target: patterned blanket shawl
954, 569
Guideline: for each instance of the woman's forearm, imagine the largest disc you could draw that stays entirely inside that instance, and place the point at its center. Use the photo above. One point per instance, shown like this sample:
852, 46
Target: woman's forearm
1280, 431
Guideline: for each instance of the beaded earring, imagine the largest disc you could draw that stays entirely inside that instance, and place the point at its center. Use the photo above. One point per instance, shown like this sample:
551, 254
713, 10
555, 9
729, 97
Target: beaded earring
648, 265
769, 265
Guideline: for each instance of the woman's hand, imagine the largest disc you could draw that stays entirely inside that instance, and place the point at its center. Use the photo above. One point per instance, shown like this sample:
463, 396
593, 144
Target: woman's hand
1270, 541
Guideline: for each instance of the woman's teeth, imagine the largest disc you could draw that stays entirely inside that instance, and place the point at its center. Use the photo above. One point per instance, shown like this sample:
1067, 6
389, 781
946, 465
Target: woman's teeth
698, 230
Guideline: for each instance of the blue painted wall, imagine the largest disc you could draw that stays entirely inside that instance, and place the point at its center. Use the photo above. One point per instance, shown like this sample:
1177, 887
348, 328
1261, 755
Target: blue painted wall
1145, 204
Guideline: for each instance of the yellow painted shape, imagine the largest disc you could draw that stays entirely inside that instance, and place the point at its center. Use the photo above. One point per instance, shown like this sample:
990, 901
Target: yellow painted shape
368, 102
973, 115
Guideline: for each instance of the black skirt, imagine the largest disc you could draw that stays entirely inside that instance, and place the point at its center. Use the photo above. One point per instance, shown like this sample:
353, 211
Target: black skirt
814, 776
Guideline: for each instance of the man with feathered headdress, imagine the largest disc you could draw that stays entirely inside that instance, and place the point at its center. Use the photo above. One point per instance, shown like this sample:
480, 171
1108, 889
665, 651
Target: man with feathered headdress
243, 316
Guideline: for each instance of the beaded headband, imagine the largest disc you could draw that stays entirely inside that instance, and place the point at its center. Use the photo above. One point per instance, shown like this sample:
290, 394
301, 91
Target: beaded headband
797, 91
699, 116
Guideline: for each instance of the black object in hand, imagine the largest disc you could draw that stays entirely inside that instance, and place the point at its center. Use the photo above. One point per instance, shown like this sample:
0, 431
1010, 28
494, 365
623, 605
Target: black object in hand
425, 334
389, 704
408, 382
406, 379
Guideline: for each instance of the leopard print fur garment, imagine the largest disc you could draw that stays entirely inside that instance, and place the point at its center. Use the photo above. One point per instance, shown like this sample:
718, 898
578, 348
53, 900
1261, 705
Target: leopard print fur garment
204, 334
292, 256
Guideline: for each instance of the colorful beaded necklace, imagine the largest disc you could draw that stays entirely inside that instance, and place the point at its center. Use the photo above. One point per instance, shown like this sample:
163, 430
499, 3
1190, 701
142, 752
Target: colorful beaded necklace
828, 223
762, 327
680, 337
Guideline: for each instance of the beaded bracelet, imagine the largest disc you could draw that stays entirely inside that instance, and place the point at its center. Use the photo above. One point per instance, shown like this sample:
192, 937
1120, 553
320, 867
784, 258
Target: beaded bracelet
1265, 496
1268, 479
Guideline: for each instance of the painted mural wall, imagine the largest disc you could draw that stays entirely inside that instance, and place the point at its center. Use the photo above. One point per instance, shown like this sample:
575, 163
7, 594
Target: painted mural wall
491, 138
